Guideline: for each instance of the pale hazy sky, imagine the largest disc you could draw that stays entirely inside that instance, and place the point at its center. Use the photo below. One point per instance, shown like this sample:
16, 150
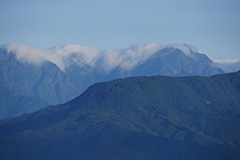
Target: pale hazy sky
213, 26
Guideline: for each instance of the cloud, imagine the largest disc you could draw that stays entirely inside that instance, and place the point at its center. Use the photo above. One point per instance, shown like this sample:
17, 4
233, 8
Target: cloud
137, 54
127, 58
189, 50
108, 60
65, 55
225, 61
70, 54
62, 55
227, 65
102, 60
25, 53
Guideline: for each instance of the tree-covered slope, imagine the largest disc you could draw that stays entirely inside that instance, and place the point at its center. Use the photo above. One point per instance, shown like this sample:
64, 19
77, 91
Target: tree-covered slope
158, 117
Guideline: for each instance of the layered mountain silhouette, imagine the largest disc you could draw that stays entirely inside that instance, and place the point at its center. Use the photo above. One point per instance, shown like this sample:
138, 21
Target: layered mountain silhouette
60, 74
155, 117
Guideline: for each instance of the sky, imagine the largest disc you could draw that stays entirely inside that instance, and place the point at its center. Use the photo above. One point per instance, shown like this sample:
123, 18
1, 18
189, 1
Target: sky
213, 26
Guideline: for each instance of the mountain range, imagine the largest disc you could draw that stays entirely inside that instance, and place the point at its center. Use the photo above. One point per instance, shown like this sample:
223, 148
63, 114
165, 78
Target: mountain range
156, 117
59, 74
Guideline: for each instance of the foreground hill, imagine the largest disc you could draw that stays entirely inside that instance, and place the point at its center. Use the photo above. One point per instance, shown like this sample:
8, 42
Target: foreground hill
60, 74
159, 118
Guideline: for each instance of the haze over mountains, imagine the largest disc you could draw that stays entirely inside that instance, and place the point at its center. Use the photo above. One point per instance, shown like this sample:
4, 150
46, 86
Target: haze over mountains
158, 118
57, 75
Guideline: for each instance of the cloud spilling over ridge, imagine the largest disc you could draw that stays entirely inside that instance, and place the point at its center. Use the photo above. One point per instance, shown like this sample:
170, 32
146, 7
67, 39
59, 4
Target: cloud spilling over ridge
103, 60
69, 54
127, 58
227, 64
225, 61
62, 55
186, 48
28, 54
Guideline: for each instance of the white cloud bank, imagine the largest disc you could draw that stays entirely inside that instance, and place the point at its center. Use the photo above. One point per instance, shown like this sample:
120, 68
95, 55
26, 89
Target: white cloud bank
225, 61
104, 60
227, 64
62, 55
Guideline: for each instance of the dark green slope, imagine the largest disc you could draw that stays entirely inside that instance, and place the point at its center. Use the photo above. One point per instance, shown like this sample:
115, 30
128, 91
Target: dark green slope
134, 118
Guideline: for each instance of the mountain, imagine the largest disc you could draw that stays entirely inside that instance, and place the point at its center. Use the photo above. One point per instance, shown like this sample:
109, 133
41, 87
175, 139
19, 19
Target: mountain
60, 74
45, 81
174, 62
40, 85
14, 105
156, 117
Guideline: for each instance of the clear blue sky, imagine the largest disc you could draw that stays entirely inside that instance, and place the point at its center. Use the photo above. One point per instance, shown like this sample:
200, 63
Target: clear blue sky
213, 26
